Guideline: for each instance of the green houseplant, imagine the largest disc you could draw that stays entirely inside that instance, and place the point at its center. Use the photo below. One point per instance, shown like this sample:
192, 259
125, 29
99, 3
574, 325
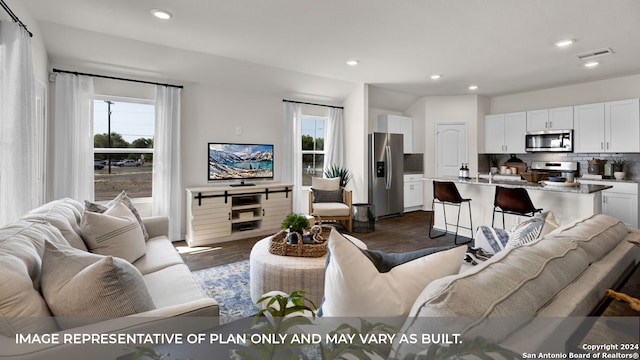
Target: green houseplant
620, 164
295, 223
338, 171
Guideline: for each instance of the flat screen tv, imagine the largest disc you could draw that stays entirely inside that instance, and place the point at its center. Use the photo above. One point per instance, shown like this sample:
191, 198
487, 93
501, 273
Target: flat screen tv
239, 161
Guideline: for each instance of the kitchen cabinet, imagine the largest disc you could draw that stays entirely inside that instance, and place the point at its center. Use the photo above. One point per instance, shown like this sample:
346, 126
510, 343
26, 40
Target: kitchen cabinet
397, 124
550, 119
621, 201
505, 133
413, 192
607, 127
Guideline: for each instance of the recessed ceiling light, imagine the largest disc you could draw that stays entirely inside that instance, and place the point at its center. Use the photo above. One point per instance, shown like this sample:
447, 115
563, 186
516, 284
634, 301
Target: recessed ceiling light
563, 43
352, 62
436, 76
473, 87
161, 14
591, 64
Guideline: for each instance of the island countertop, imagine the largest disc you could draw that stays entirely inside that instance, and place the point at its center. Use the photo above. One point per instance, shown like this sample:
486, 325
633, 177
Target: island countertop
577, 189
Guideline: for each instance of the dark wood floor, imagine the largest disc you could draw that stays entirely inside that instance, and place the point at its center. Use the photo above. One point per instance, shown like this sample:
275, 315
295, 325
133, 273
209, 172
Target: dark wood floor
398, 234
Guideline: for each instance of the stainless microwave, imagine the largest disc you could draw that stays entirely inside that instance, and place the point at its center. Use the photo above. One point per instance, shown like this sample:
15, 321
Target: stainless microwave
549, 141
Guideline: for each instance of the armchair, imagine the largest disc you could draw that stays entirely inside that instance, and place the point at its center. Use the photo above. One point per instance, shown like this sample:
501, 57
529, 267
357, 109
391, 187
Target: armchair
331, 202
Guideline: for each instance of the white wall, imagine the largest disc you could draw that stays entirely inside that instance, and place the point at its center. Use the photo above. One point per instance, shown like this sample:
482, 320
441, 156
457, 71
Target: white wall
417, 112
621, 88
356, 125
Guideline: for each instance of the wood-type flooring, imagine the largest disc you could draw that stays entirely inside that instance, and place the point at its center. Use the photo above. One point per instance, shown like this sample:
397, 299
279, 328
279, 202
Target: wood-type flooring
396, 234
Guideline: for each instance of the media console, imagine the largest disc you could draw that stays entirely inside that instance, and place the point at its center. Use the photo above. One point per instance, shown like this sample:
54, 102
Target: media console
224, 213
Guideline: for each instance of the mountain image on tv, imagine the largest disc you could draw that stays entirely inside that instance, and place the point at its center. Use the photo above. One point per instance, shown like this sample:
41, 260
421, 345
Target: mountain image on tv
240, 161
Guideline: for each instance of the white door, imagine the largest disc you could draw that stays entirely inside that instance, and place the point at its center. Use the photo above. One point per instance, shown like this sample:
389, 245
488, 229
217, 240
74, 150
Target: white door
538, 120
494, 134
622, 126
451, 148
561, 118
589, 127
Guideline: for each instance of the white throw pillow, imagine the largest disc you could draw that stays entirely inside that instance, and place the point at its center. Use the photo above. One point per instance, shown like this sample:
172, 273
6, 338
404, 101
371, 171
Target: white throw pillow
115, 232
124, 198
355, 287
81, 288
325, 184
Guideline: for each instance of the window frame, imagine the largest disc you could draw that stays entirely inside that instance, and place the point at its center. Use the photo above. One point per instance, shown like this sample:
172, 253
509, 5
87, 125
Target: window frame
134, 100
313, 152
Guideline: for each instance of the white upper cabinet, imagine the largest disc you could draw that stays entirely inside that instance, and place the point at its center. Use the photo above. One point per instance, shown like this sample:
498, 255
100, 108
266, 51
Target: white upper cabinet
397, 124
505, 133
550, 119
608, 127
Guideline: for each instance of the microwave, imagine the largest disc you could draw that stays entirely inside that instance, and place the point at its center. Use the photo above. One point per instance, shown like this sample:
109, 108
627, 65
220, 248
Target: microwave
549, 141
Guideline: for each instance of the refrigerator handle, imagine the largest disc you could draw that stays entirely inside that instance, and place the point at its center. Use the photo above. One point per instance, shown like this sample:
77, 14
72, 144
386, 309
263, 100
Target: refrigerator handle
389, 168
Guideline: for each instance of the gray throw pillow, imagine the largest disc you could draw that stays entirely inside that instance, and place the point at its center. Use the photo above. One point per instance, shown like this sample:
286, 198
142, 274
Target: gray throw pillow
82, 288
320, 196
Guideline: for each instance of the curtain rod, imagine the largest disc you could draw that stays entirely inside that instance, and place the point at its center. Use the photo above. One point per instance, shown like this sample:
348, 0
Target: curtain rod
308, 103
116, 78
14, 17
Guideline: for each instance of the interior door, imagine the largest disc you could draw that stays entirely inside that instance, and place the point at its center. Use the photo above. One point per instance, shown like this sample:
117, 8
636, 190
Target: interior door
451, 148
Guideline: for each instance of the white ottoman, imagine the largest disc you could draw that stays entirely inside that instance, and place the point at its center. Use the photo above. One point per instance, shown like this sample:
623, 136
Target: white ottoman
268, 272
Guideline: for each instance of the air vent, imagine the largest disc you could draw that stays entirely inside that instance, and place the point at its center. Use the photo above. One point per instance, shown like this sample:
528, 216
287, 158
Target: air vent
595, 53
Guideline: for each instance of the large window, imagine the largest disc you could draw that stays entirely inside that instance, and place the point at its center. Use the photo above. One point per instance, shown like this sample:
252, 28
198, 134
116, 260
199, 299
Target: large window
313, 135
123, 147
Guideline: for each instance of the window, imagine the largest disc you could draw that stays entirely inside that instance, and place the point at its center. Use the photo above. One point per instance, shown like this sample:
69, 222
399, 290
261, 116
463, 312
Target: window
312, 147
123, 160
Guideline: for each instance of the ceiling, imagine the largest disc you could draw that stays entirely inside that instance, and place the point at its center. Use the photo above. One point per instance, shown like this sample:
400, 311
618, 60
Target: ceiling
300, 46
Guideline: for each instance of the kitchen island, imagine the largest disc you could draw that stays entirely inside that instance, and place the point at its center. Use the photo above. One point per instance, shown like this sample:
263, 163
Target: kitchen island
567, 202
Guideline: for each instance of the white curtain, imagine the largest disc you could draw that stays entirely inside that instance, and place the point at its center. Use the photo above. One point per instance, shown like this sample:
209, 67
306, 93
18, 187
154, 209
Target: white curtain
292, 149
19, 190
167, 185
334, 142
73, 138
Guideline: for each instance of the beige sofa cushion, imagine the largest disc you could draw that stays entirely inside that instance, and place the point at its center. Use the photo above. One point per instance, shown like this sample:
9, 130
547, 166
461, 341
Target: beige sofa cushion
82, 288
121, 198
511, 285
64, 214
22, 307
115, 232
597, 234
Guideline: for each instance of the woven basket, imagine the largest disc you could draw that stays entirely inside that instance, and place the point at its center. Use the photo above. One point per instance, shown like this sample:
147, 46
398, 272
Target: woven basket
279, 245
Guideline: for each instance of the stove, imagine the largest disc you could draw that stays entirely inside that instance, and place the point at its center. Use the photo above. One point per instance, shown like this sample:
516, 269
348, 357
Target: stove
567, 169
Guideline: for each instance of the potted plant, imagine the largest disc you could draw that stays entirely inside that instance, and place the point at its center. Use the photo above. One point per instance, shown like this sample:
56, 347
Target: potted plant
295, 223
338, 171
619, 166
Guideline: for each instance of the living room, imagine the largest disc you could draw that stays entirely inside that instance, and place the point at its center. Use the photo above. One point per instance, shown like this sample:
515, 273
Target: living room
233, 95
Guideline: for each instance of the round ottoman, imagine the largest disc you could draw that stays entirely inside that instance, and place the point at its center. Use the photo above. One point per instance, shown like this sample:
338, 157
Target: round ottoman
268, 272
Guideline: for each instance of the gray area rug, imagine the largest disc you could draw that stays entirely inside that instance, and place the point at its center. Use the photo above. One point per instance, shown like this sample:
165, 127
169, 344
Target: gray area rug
229, 285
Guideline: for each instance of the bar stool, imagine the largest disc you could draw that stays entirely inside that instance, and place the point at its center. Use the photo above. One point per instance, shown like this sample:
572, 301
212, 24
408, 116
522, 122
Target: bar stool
446, 193
514, 201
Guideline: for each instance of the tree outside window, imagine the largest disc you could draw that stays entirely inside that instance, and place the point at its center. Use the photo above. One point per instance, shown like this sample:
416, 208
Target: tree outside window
313, 128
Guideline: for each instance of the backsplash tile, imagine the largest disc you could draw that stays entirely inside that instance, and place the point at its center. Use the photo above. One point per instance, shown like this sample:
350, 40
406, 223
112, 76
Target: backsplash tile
413, 163
633, 172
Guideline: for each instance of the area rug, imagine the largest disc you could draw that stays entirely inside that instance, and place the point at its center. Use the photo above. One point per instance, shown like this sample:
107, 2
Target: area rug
229, 285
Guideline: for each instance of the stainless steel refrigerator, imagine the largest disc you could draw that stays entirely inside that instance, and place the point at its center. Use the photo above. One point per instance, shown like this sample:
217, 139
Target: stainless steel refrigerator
386, 162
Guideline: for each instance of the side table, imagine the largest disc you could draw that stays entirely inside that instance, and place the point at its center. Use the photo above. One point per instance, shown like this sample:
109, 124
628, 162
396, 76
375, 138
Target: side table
363, 217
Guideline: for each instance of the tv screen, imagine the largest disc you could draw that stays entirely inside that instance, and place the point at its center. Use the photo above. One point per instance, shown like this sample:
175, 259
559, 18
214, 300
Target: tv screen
240, 161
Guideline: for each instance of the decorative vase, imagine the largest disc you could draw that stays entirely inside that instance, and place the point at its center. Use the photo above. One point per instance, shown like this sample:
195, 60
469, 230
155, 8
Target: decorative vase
619, 175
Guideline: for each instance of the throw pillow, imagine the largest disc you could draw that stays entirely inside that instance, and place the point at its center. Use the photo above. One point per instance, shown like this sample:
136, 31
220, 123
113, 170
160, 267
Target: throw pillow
490, 239
320, 196
354, 285
116, 232
124, 198
325, 184
81, 288
531, 229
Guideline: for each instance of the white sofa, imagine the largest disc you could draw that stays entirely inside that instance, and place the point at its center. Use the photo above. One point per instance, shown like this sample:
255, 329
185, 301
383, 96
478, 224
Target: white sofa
180, 305
533, 297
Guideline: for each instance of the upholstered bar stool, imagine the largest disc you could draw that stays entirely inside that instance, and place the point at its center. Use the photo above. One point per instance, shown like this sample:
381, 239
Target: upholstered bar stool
446, 193
514, 201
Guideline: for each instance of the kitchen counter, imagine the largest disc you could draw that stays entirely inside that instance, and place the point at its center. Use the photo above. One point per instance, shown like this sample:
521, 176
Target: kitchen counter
567, 203
577, 189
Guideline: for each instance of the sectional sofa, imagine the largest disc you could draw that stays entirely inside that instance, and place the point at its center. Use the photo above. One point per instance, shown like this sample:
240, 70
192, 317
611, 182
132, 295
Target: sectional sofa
156, 291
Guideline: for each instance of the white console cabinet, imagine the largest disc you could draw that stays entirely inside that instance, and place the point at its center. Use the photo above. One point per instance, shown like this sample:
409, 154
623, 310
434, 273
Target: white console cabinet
224, 213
